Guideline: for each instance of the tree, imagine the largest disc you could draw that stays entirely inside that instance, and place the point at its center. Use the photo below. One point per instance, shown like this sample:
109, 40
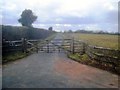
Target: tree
50, 28
70, 31
27, 18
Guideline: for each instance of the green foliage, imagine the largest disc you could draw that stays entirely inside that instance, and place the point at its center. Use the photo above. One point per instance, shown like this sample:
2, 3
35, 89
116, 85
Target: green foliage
80, 58
16, 33
27, 18
84, 59
75, 56
13, 56
50, 28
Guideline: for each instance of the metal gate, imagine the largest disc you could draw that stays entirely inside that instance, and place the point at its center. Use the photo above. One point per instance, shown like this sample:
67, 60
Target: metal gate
61, 45
56, 45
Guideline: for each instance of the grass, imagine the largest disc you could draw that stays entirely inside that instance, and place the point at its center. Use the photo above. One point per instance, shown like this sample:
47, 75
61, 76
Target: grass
101, 40
13, 56
80, 58
85, 59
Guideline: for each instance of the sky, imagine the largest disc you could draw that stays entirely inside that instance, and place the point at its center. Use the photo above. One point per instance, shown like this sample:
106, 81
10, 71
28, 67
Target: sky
64, 15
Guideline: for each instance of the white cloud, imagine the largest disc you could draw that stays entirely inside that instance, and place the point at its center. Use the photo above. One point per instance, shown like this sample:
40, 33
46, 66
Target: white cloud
92, 27
58, 19
62, 7
67, 25
57, 25
59, 11
109, 6
8, 6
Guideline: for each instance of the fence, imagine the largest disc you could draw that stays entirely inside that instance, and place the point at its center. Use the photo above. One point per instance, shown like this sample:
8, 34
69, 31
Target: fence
23, 45
104, 55
100, 54
74, 46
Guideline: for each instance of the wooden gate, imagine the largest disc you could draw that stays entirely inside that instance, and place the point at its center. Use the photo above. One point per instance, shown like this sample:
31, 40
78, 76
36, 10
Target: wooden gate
62, 45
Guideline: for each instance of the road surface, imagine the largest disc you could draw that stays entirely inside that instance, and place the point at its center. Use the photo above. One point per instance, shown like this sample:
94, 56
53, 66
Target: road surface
55, 70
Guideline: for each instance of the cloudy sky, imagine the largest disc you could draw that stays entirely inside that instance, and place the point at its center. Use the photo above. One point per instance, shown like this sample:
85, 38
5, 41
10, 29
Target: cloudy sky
64, 14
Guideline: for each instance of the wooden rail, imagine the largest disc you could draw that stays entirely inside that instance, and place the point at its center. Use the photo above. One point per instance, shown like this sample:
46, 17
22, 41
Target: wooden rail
100, 54
23, 45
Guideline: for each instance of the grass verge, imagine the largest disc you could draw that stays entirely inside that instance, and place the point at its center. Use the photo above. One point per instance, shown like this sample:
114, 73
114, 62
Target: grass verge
13, 56
85, 59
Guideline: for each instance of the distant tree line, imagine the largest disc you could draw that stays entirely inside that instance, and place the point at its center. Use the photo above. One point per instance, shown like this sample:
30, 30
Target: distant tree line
16, 33
92, 32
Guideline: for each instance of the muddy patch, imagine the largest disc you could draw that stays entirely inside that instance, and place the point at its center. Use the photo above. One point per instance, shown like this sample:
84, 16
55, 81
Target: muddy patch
77, 71
72, 69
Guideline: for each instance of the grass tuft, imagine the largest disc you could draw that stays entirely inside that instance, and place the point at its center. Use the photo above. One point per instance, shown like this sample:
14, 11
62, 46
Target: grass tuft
13, 56
85, 59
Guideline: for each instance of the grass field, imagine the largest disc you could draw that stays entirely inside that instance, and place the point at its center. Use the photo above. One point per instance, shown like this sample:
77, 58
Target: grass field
102, 40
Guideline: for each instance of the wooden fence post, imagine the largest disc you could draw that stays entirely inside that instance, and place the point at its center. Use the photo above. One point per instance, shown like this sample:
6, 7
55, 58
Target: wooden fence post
36, 46
72, 45
24, 45
47, 46
84, 47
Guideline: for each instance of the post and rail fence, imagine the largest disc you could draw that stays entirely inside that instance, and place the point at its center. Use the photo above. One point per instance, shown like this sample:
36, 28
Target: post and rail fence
23, 45
100, 54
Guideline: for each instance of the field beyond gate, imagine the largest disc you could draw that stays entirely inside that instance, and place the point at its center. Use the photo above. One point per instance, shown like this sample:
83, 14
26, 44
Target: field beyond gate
107, 56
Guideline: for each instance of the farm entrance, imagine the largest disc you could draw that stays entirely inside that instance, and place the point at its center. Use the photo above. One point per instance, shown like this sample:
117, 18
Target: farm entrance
61, 45
56, 45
